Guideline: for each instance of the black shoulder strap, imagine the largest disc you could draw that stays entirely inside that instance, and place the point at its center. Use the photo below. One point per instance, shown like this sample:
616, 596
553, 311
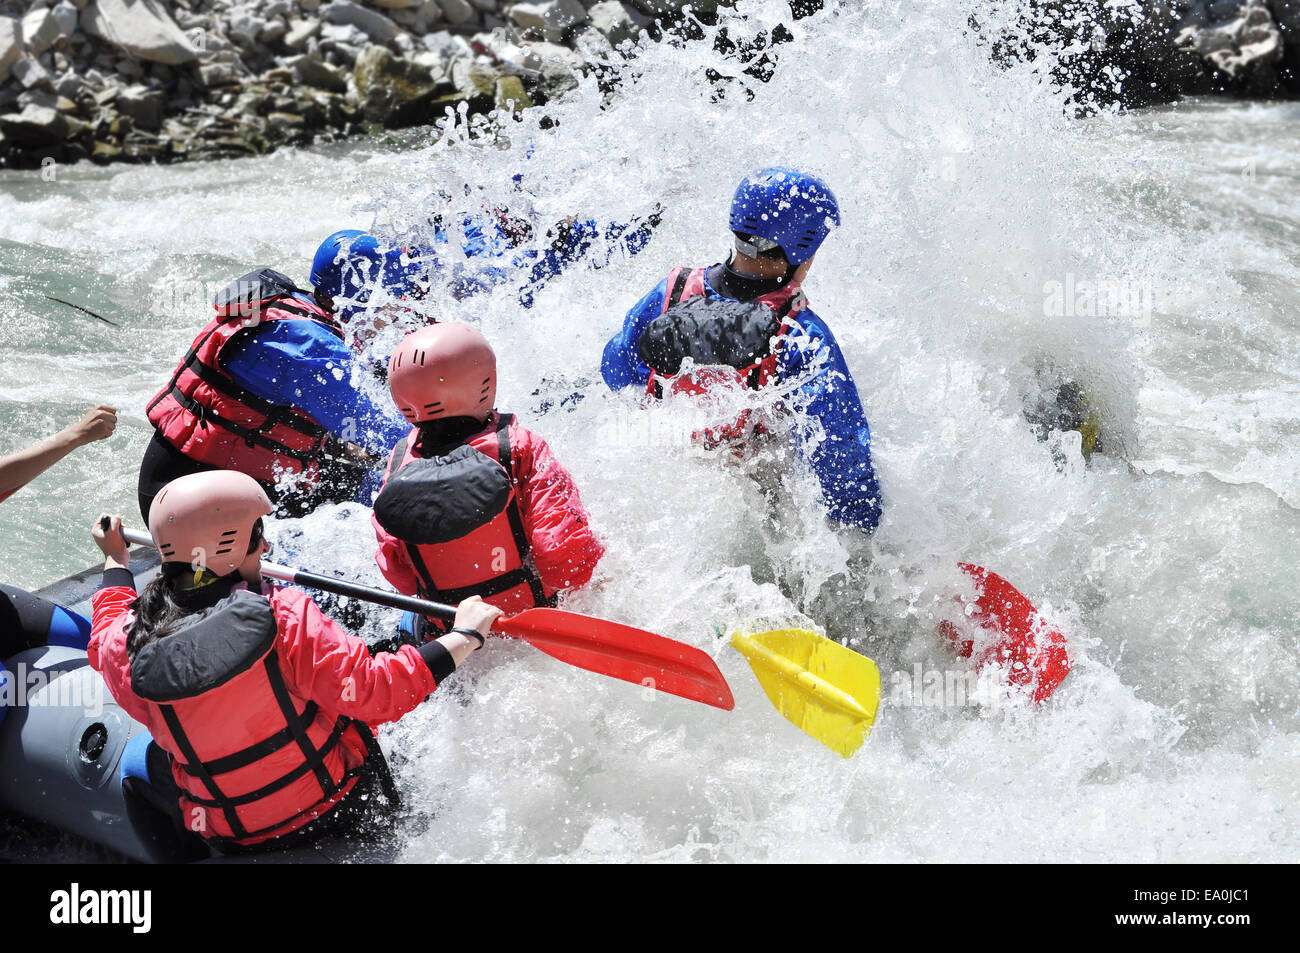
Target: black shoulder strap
399, 454
679, 287
512, 511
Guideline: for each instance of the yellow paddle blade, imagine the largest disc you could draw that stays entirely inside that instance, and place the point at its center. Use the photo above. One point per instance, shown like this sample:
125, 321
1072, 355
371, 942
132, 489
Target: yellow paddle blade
830, 692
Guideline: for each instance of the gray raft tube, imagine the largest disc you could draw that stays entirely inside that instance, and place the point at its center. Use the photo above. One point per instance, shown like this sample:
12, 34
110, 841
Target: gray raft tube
61, 749
62, 736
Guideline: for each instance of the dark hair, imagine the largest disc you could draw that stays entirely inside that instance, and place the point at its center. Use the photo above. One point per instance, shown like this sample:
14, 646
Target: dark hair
163, 605
157, 612
437, 436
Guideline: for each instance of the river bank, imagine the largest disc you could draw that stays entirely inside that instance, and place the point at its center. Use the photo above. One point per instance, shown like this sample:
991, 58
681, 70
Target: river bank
143, 81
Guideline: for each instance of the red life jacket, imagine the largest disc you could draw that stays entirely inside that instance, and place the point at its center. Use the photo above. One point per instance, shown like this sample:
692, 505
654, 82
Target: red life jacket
252, 760
458, 515
683, 285
207, 416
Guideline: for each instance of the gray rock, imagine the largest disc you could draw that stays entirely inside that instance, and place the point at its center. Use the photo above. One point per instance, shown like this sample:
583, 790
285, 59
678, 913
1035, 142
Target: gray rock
553, 18
396, 4
313, 72
616, 22
395, 91
141, 27
1248, 47
32, 74
541, 53
300, 31
343, 33
65, 14
277, 8
488, 6
35, 126
11, 46
244, 28
220, 74
429, 13
374, 24
40, 30
71, 85
144, 106
473, 79
456, 11
44, 97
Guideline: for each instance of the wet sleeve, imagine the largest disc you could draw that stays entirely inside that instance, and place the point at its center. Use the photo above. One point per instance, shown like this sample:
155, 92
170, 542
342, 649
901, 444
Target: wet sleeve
394, 562
303, 365
564, 548
107, 655
336, 670
834, 438
621, 365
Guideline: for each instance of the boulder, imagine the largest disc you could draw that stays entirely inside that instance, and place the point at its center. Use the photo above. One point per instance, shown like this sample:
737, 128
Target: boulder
71, 85
144, 106
1247, 48
40, 30
553, 19
142, 28
313, 72
221, 73
615, 22
395, 91
65, 15
32, 74
300, 31
372, 23
456, 11
35, 126
11, 46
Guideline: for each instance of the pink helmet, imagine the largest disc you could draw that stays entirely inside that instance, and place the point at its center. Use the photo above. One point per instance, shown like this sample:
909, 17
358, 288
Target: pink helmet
447, 370
207, 519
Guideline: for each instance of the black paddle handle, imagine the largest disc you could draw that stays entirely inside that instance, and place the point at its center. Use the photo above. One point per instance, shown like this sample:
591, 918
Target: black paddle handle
332, 584
393, 600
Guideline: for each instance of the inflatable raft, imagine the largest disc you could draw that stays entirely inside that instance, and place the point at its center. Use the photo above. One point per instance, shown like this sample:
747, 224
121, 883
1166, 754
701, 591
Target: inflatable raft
63, 741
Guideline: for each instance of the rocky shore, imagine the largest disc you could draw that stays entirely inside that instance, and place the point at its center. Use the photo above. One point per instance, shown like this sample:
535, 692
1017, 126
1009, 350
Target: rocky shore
1142, 52
154, 81
148, 81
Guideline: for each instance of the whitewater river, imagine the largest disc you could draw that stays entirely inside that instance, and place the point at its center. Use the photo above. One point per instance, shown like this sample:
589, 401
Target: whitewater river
1151, 256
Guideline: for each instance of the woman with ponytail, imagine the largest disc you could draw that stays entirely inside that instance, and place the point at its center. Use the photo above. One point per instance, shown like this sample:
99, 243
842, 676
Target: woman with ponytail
259, 705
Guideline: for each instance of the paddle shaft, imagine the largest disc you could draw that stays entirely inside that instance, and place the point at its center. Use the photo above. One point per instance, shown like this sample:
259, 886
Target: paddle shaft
340, 587
85, 310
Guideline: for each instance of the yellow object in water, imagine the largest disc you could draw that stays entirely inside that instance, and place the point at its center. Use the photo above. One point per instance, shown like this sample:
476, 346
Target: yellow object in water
830, 692
1090, 431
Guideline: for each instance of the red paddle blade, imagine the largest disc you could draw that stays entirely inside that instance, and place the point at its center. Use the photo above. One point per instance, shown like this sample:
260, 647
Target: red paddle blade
1032, 648
621, 651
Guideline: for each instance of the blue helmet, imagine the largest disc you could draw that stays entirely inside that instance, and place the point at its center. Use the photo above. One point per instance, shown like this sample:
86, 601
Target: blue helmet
351, 262
790, 209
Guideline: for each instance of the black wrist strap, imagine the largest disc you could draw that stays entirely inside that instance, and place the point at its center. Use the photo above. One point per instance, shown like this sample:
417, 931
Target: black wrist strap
472, 633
